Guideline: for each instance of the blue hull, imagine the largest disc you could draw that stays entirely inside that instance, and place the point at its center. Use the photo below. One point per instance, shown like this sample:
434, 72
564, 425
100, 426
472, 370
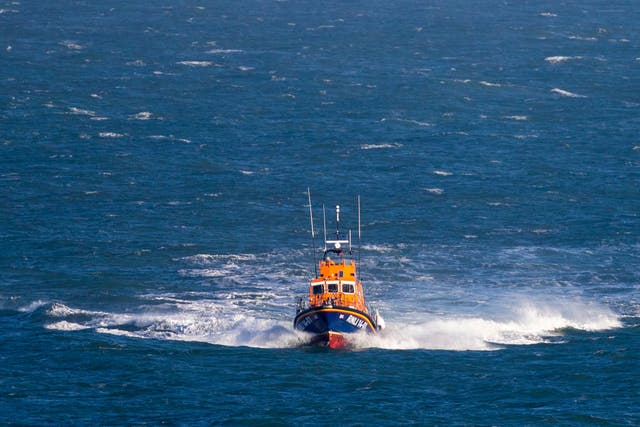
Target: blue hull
321, 320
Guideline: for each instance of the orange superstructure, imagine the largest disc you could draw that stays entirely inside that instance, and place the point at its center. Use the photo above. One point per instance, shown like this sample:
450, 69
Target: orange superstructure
337, 284
336, 306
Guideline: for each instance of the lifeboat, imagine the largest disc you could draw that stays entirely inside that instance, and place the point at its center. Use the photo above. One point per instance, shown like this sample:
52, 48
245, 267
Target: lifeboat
335, 308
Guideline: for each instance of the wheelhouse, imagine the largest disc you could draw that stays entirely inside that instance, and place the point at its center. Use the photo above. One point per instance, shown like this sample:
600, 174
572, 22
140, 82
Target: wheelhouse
337, 284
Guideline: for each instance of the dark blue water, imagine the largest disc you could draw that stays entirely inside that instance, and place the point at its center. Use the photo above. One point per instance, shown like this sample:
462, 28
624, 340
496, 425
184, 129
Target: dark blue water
154, 168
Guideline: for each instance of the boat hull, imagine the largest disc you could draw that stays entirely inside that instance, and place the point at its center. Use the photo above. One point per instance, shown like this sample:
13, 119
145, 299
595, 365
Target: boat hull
330, 326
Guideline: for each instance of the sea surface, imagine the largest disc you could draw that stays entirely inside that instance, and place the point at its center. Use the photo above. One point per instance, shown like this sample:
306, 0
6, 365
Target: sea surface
155, 158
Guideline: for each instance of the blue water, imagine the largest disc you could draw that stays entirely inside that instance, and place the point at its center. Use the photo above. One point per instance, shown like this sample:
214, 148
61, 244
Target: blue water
154, 168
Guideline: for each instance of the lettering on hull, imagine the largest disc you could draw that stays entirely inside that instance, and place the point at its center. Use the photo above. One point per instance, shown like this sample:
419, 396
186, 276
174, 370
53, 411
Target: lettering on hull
356, 321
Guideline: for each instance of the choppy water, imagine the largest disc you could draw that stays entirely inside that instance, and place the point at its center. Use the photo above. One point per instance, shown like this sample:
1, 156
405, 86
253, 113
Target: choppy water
155, 159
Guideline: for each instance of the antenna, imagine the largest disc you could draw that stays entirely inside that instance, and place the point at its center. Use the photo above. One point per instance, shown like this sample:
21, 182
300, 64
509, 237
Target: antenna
359, 234
313, 234
337, 242
324, 226
358, 217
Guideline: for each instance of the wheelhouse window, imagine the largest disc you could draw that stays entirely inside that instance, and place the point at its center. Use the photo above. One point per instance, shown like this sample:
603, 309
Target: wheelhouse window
348, 288
317, 289
333, 287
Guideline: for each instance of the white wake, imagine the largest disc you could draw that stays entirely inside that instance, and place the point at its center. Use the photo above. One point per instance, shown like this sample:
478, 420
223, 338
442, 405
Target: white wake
232, 324
529, 322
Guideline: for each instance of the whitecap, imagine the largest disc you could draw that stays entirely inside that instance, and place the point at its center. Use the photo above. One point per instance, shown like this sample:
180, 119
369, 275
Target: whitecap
442, 173
517, 118
567, 93
143, 115
379, 248
71, 44
137, 63
219, 51
415, 122
66, 326
435, 191
169, 138
61, 310
120, 332
110, 135
548, 14
379, 146
581, 38
489, 84
559, 59
205, 272
245, 68
541, 230
81, 112
321, 27
209, 258
196, 63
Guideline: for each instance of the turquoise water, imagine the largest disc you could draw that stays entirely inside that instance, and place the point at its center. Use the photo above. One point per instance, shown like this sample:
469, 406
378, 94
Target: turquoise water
155, 162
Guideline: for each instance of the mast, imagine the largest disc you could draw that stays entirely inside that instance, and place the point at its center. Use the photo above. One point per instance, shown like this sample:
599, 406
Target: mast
313, 234
324, 226
337, 243
359, 235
